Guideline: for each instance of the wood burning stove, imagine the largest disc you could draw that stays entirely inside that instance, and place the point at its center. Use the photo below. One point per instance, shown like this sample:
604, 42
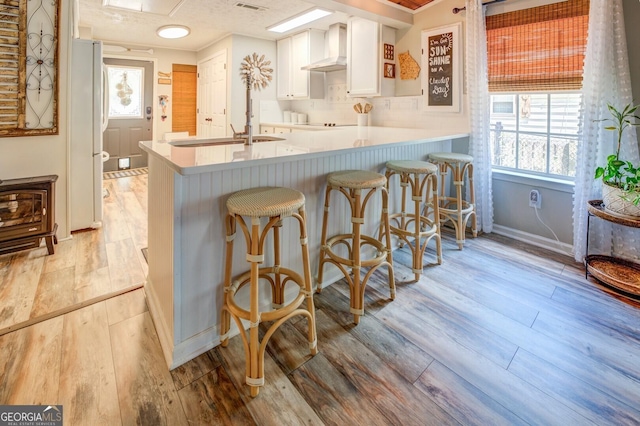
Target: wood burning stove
27, 213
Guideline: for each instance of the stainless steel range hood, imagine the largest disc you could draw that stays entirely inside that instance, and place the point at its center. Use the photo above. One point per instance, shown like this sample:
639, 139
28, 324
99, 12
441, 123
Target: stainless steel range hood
335, 50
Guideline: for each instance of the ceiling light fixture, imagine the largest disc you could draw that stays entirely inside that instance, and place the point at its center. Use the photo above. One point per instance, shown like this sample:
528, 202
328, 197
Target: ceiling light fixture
298, 20
173, 31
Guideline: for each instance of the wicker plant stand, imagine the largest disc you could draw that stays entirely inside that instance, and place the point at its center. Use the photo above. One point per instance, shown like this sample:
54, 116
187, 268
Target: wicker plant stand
620, 275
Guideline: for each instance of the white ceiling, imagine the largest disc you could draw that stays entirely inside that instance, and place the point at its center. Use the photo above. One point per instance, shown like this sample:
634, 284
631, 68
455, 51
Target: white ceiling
212, 20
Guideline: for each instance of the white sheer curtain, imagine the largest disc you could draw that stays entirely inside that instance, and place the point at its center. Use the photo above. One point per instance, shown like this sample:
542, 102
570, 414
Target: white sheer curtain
478, 94
606, 80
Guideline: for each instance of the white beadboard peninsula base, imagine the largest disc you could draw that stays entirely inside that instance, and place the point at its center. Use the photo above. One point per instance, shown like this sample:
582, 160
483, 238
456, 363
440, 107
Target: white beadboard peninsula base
187, 234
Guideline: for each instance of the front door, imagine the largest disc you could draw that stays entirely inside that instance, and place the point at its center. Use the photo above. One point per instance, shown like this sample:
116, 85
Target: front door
130, 112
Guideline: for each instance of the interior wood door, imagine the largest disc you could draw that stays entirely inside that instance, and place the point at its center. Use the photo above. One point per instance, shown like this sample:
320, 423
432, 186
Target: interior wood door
212, 96
130, 112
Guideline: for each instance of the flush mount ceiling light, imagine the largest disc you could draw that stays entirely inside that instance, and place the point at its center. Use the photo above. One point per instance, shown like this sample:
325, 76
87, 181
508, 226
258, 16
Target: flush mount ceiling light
173, 31
298, 20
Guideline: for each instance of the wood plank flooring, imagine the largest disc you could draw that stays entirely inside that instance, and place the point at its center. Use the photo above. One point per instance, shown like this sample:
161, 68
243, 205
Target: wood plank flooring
501, 333
91, 266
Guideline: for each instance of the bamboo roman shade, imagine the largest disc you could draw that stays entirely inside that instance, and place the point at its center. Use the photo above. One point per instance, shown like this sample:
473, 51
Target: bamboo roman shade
538, 49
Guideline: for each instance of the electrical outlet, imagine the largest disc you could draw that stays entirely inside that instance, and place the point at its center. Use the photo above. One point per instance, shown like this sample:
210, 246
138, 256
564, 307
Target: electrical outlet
387, 104
535, 199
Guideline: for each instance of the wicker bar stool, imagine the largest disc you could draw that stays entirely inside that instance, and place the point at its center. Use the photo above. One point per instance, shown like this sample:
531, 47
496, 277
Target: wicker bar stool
456, 209
276, 204
358, 187
421, 179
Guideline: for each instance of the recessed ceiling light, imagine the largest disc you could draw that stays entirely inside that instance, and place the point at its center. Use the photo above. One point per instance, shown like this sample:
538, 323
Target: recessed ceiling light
173, 31
298, 20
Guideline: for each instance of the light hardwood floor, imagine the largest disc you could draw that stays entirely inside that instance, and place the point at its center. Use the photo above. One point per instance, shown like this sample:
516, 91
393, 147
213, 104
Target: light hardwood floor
500, 333
93, 265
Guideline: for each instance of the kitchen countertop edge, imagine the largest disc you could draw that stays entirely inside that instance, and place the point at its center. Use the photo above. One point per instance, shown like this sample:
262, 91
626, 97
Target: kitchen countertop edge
151, 148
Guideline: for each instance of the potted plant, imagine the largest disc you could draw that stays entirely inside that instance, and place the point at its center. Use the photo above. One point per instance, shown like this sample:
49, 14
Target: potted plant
620, 178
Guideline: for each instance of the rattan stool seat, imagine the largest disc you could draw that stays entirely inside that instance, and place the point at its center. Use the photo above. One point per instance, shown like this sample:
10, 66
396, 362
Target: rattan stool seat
280, 206
357, 179
412, 166
362, 250
265, 202
450, 157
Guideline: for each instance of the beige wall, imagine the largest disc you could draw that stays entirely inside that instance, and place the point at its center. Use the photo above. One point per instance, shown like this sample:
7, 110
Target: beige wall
45, 155
409, 40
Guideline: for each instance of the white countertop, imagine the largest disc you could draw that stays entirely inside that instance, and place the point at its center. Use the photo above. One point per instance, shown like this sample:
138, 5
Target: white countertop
189, 160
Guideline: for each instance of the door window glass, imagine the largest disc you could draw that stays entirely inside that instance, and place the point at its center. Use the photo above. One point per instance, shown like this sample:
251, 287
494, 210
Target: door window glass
125, 91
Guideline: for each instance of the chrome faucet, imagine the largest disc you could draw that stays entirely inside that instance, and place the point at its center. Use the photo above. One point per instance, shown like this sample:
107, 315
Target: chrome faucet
247, 135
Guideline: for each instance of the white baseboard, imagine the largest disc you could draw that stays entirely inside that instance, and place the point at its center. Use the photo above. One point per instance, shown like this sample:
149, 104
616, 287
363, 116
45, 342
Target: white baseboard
197, 345
188, 349
536, 240
163, 330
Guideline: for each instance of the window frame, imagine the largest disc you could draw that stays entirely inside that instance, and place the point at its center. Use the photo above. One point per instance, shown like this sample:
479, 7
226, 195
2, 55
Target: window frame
548, 134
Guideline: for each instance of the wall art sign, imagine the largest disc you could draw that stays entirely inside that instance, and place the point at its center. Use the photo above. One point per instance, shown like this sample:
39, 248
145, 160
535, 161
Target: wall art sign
29, 63
442, 62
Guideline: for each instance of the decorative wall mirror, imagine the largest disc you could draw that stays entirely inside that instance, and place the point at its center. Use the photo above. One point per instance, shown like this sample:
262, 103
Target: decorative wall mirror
29, 64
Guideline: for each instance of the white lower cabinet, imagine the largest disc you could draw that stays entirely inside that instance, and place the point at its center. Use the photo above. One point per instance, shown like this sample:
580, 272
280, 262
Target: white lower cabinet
272, 129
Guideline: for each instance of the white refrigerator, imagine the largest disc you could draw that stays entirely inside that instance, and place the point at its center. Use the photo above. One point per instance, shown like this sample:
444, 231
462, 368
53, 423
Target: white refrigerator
86, 127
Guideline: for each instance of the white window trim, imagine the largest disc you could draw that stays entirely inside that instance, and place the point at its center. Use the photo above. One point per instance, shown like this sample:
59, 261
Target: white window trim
560, 185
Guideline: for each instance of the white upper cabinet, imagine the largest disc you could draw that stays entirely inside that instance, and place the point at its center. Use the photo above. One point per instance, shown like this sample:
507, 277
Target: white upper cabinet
283, 68
365, 44
292, 54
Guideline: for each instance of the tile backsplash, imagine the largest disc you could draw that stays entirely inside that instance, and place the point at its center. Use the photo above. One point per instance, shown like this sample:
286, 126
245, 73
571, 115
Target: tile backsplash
337, 107
337, 94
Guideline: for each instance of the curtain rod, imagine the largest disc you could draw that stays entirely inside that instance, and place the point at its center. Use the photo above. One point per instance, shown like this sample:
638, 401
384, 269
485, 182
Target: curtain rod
460, 9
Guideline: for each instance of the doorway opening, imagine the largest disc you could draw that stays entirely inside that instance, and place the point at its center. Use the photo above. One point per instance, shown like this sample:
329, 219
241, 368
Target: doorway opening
129, 90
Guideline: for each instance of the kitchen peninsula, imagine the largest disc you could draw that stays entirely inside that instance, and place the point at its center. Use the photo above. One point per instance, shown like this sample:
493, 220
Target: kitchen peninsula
189, 183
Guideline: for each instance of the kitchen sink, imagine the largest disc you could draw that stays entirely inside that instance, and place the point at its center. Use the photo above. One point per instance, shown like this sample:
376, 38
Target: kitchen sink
191, 143
262, 138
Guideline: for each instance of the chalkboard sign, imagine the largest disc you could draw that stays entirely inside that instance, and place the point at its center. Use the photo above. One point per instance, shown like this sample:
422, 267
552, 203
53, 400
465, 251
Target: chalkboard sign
440, 69
441, 60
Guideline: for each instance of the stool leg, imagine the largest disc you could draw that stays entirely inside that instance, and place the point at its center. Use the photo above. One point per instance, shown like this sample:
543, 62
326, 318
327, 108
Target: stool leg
277, 296
472, 200
416, 196
460, 231
432, 188
256, 364
381, 230
357, 293
404, 183
225, 320
311, 323
385, 217
323, 239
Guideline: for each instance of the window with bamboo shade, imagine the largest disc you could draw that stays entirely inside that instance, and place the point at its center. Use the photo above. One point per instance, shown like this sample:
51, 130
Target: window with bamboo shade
184, 94
538, 49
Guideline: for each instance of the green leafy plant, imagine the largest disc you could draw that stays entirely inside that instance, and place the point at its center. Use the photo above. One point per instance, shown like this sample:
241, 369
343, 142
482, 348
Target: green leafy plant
620, 173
